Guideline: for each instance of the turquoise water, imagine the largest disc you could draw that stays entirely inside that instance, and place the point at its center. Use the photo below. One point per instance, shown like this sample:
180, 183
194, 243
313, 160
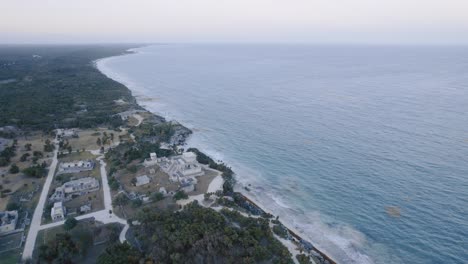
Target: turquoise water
329, 137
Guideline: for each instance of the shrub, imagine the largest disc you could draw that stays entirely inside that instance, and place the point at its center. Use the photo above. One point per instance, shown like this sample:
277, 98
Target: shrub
70, 223
14, 169
180, 195
11, 206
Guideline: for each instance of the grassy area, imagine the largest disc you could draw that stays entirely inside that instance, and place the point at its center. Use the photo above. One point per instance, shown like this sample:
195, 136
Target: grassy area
82, 155
88, 137
11, 257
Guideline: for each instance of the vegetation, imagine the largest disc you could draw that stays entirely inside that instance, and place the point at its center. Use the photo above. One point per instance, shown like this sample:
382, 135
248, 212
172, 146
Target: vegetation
11, 206
119, 254
180, 195
35, 171
61, 88
303, 259
125, 153
24, 157
70, 223
120, 200
48, 146
14, 169
60, 250
280, 231
6, 154
157, 196
201, 235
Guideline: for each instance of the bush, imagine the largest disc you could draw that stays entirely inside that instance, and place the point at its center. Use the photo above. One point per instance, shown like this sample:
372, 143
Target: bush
303, 259
180, 195
157, 196
14, 169
280, 231
70, 223
137, 203
12, 206
35, 171
24, 157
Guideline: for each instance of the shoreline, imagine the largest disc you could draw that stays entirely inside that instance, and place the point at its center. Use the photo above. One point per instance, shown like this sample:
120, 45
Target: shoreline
219, 180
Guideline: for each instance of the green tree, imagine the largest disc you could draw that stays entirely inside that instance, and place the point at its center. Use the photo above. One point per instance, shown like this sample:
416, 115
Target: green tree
70, 223
24, 157
137, 203
28, 146
14, 169
180, 195
35, 171
12, 206
120, 199
119, 254
157, 196
60, 250
48, 146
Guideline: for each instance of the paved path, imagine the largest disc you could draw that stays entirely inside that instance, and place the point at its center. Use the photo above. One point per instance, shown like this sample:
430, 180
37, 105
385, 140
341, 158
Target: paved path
139, 118
37, 216
103, 216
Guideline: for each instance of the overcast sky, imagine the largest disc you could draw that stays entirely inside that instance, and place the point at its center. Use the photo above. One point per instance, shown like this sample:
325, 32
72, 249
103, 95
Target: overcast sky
316, 21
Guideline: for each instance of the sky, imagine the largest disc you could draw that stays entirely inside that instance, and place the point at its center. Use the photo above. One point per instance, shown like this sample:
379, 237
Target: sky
314, 21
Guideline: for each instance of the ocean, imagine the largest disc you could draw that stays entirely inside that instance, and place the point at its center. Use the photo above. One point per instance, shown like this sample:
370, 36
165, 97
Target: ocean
362, 149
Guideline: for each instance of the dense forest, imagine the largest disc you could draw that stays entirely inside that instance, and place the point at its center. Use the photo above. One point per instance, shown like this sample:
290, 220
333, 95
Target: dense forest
42, 87
202, 235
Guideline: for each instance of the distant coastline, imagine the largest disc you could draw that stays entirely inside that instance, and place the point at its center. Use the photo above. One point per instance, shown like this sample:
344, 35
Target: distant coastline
323, 256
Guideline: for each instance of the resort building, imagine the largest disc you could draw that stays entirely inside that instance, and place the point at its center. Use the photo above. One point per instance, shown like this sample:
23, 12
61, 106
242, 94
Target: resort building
76, 166
142, 180
76, 187
8, 220
58, 212
182, 166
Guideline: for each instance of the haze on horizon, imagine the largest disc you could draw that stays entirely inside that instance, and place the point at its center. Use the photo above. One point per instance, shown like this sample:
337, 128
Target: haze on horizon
314, 21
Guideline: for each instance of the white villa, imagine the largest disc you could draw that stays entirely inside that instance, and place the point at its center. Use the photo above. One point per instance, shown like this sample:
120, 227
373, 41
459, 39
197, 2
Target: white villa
76, 187
8, 221
75, 166
58, 212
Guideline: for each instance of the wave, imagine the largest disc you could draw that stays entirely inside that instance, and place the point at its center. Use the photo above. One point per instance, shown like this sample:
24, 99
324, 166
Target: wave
338, 240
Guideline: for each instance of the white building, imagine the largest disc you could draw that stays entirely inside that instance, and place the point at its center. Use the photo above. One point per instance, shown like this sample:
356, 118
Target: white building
67, 133
76, 166
58, 212
181, 166
8, 220
76, 187
153, 160
85, 208
142, 180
